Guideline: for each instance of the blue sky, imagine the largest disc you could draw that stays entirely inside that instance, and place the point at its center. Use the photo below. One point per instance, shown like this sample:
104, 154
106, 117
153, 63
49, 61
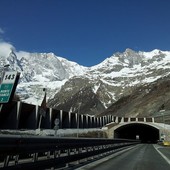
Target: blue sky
85, 31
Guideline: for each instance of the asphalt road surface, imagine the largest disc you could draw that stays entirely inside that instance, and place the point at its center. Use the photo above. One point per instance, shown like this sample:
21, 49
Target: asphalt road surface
142, 157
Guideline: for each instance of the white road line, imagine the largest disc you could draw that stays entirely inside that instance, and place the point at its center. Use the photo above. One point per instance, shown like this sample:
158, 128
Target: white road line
167, 160
93, 164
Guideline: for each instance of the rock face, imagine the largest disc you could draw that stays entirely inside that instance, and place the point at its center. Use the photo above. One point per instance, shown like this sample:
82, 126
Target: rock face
144, 101
75, 92
123, 84
115, 82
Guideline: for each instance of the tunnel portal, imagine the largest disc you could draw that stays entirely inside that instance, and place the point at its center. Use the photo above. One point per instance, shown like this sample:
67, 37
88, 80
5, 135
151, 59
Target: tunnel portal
145, 133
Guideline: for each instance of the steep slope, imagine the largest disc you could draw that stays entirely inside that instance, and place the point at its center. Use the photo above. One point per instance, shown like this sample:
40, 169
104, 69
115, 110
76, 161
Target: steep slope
97, 87
115, 78
74, 92
39, 70
144, 101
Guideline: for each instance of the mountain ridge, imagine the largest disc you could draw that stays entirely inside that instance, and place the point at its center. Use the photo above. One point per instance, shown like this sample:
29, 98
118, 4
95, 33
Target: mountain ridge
105, 83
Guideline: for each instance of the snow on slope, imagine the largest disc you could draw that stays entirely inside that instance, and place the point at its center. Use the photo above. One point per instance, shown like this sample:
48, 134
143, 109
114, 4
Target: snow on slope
146, 62
39, 70
72, 67
149, 55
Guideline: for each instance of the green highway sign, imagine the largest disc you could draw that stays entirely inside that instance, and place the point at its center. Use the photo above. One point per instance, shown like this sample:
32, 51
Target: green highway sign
5, 92
7, 86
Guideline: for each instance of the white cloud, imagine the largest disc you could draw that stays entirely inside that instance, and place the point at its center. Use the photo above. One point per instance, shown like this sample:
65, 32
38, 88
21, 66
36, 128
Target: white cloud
5, 48
1, 31
24, 54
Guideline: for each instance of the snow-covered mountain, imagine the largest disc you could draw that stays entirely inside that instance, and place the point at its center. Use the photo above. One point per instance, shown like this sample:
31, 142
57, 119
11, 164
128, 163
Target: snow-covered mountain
115, 77
39, 70
96, 88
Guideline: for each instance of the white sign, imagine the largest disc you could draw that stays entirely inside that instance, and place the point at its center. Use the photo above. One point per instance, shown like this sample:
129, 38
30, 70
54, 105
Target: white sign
9, 77
56, 121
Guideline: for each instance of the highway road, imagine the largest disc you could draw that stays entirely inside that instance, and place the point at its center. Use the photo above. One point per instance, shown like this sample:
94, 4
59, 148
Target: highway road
142, 157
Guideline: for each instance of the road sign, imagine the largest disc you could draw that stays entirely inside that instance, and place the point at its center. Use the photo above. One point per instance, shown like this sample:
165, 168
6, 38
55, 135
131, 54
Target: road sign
7, 85
56, 127
56, 121
9, 77
5, 92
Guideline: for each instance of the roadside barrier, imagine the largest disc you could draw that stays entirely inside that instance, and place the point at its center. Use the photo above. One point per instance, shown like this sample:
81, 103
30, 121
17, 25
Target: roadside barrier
34, 152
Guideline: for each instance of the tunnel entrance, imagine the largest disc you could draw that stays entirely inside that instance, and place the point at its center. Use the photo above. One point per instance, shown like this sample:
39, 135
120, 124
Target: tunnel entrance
145, 133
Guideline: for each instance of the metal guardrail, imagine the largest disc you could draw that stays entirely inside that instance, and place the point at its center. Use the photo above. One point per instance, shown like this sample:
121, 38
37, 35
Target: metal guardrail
33, 152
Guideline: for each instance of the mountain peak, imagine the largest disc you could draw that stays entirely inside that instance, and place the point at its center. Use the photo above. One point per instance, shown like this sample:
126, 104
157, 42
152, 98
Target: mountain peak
118, 75
129, 50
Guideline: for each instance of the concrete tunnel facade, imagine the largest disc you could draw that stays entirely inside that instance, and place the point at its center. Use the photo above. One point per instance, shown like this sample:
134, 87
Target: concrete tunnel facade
144, 132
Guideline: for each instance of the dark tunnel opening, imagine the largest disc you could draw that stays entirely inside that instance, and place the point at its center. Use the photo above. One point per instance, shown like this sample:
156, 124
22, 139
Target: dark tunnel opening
143, 132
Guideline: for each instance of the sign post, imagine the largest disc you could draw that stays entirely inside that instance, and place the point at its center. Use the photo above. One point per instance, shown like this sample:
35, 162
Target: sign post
7, 86
56, 127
